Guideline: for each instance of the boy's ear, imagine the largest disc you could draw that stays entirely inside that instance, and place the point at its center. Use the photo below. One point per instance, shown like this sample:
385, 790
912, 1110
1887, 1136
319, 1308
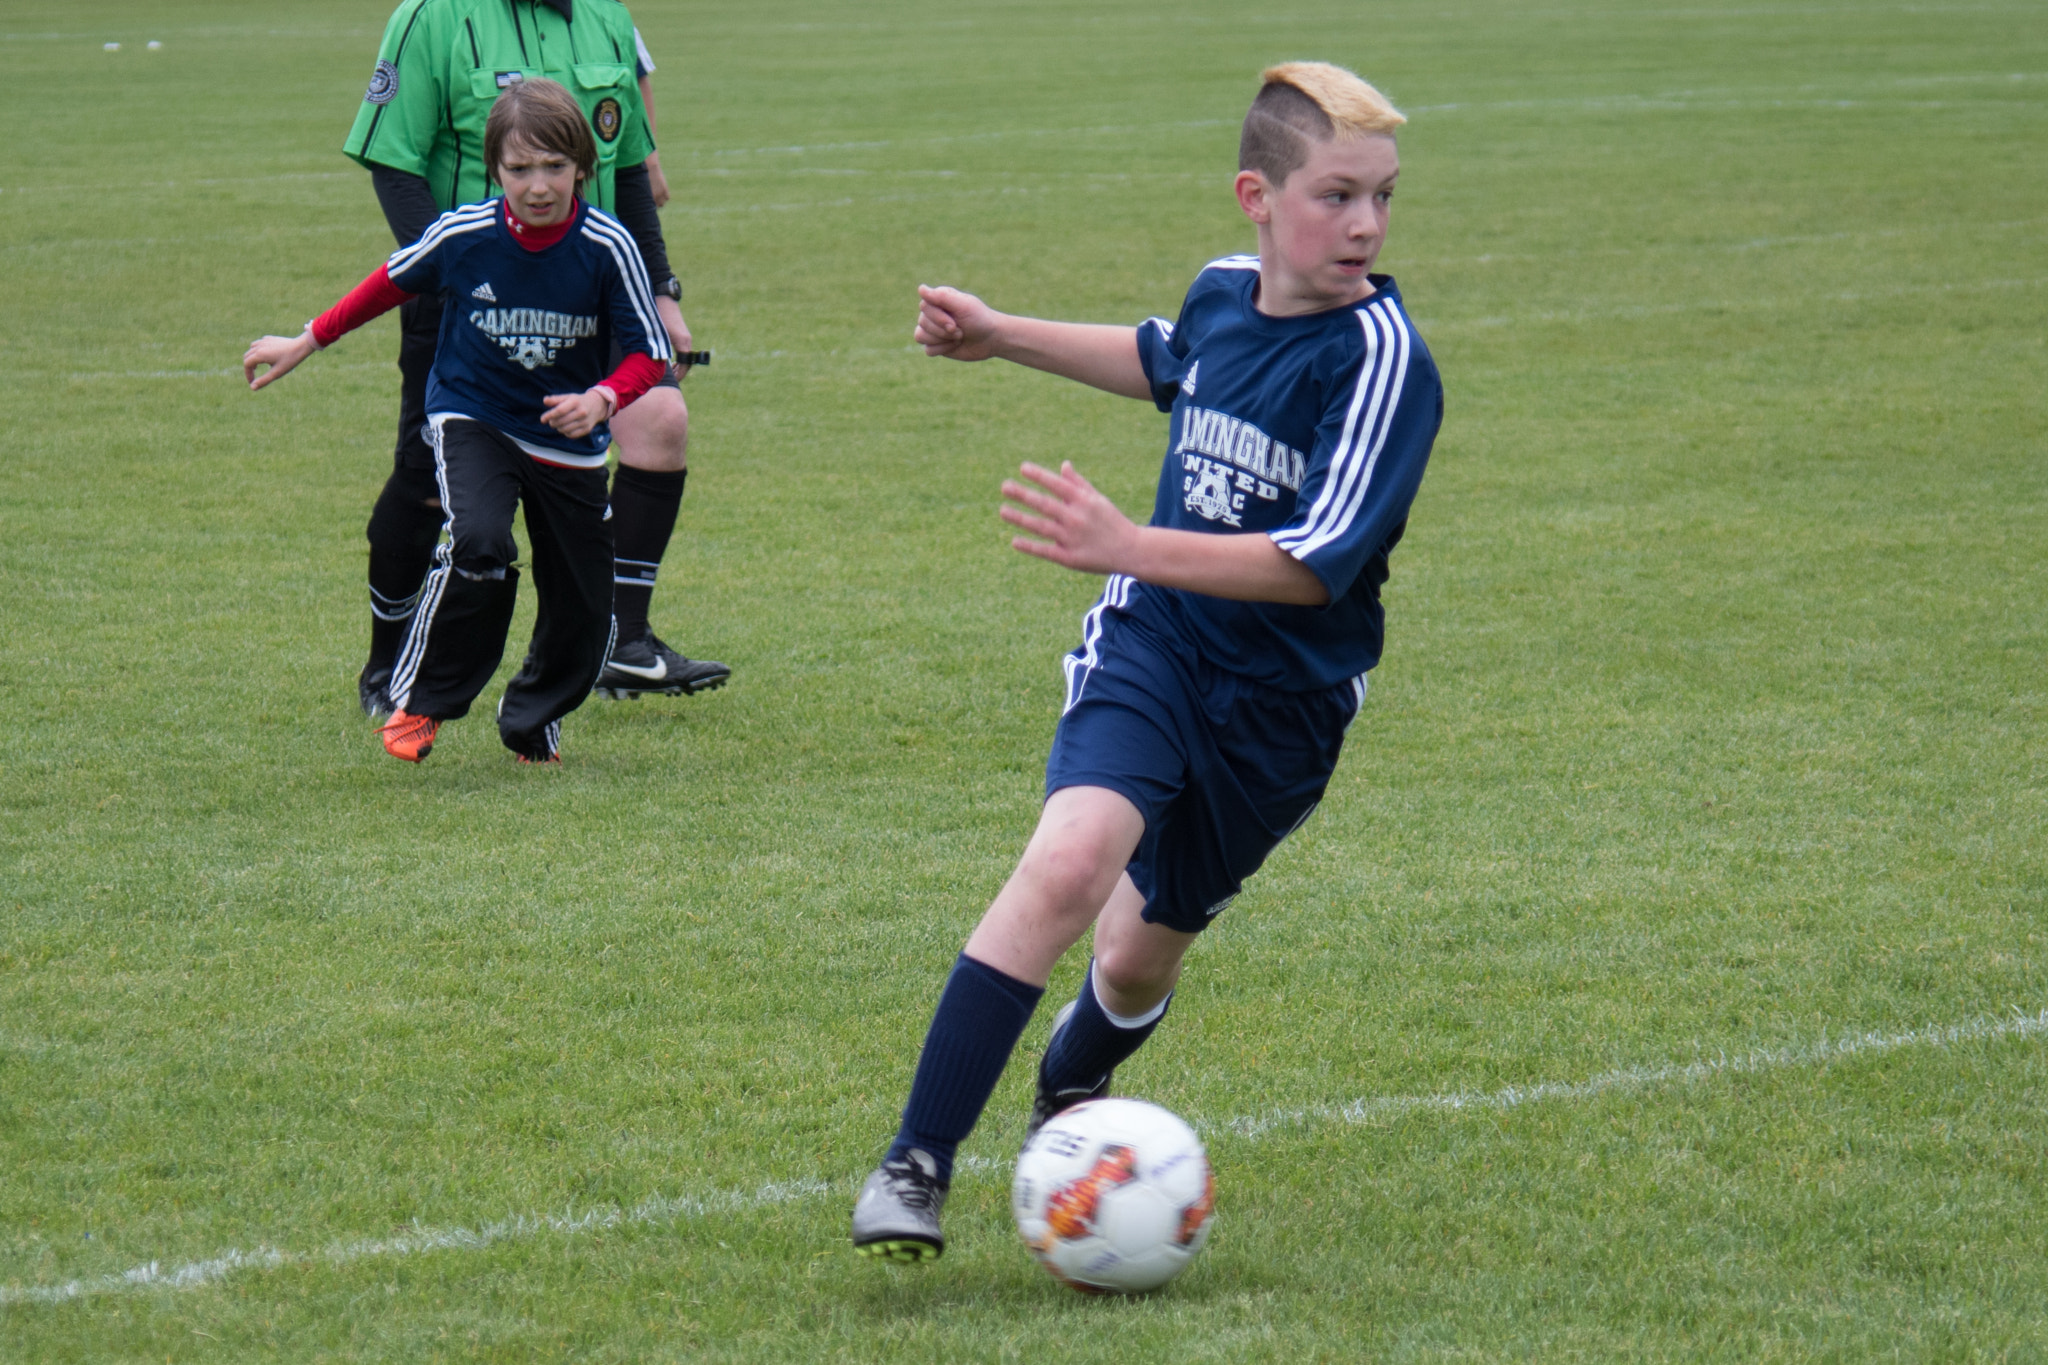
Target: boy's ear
1255, 196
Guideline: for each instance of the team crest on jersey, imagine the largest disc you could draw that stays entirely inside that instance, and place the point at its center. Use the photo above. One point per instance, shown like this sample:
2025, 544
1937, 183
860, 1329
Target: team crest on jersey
532, 337
383, 84
606, 119
1209, 494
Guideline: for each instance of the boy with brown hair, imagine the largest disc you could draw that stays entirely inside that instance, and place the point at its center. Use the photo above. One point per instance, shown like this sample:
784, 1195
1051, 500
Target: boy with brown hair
539, 284
1208, 700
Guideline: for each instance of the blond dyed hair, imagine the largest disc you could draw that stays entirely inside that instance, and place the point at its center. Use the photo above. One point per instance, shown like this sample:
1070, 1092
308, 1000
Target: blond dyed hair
1302, 103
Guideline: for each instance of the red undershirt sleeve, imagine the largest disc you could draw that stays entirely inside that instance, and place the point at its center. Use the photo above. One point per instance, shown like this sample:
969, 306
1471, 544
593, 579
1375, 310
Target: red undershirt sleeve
373, 298
636, 374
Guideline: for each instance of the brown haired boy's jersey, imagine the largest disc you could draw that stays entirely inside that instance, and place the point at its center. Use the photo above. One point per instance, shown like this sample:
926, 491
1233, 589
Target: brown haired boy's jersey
443, 63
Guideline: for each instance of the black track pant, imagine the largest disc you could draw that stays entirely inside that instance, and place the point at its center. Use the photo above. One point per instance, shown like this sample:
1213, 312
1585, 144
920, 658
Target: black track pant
407, 519
458, 633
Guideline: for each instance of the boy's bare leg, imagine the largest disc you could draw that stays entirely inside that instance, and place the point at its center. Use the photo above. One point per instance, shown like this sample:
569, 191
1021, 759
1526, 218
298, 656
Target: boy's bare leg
1136, 964
1066, 878
1070, 877
1127, 990
1069, 869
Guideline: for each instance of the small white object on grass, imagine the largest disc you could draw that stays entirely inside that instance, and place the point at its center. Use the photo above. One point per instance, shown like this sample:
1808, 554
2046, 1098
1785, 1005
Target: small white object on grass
155, 46
113, 47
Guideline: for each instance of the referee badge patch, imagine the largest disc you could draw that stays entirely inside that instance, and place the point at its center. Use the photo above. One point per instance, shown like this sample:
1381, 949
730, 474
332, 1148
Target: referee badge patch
605, 118
383, 84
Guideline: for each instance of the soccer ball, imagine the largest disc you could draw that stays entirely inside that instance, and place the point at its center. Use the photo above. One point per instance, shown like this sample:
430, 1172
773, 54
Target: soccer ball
1114, 1196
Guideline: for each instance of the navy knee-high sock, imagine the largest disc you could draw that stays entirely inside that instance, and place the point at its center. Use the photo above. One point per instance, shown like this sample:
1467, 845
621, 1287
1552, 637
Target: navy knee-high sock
981, 1014
1093, 1041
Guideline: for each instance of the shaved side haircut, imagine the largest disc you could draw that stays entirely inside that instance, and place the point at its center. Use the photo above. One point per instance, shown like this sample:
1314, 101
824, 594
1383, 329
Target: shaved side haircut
1301, 104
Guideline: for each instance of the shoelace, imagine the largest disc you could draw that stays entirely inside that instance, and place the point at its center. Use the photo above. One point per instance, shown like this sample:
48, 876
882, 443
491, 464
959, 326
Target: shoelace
914, 1188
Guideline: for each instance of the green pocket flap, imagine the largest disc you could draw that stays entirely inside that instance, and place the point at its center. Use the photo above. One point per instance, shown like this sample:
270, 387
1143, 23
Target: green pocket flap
602, 75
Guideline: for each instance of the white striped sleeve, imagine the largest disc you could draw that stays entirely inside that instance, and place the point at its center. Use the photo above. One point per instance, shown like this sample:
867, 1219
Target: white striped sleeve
1355, 493
637, 292
414, 268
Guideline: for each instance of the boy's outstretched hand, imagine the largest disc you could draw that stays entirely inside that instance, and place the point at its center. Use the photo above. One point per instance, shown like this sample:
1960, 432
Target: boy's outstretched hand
951, 322
281, 354
1075, 525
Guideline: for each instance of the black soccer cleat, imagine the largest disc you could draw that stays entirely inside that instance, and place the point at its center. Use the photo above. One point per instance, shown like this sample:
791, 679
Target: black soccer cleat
373, 686
541, 747
1048, 1101
640, 667
896, 1217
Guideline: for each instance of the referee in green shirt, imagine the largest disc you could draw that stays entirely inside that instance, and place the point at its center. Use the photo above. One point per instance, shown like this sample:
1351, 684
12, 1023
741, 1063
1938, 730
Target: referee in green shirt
420, 133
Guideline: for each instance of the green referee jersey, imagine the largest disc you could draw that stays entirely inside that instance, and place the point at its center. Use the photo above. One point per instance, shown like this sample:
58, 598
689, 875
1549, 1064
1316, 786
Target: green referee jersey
444, 62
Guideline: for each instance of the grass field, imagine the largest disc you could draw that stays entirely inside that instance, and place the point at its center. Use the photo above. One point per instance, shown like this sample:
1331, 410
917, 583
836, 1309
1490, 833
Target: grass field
1664, 978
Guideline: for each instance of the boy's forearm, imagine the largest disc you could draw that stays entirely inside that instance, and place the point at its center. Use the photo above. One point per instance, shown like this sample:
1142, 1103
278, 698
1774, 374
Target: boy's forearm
373, 298
1243, 568
1103, 356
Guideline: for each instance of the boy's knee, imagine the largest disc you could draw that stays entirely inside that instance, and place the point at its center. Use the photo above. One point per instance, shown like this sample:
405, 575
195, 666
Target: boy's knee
1073, 873
482, 557
1134, 969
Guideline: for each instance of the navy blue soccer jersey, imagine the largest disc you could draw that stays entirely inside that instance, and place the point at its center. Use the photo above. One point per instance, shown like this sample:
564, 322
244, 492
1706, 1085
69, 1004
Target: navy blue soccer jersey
520, 325
1313, 430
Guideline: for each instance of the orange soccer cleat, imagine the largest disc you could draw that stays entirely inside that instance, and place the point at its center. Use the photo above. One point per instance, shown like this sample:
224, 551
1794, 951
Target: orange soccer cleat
408, 736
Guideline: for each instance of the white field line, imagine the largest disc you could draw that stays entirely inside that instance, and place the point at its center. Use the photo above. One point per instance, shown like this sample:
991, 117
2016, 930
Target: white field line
419, 1241
1641, 1077
662, 1210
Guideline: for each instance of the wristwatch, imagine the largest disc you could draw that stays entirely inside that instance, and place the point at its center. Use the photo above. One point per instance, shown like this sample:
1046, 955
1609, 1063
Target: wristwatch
672, 287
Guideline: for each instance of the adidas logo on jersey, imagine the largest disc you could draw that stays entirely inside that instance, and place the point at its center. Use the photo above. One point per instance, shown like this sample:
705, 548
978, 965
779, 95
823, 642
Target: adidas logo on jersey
483, 291
1187, 386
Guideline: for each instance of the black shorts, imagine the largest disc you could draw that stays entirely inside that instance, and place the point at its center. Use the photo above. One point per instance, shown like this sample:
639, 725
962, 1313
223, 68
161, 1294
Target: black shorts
669, 378
1222, 768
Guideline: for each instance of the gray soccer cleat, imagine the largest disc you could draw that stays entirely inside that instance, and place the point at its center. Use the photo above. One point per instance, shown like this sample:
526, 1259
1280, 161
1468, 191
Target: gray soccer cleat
896, 1217
1048, 1102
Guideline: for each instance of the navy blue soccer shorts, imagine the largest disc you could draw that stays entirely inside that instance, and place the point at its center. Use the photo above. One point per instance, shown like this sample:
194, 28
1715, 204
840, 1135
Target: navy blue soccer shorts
1222, 768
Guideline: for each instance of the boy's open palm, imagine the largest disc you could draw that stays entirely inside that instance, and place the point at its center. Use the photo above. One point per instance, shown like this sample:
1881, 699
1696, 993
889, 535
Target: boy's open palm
953, 323
1076, 526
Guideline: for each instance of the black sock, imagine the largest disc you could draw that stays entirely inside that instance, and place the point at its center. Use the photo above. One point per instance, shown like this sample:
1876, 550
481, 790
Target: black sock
403, 531
644, 507
390, 619
1093, 1041
981, 1014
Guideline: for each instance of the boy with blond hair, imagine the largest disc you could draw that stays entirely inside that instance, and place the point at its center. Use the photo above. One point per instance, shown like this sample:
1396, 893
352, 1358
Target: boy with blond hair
1208, 700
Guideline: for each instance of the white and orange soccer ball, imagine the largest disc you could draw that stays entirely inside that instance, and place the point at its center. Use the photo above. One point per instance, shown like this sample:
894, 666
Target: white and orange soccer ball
1114, 1196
